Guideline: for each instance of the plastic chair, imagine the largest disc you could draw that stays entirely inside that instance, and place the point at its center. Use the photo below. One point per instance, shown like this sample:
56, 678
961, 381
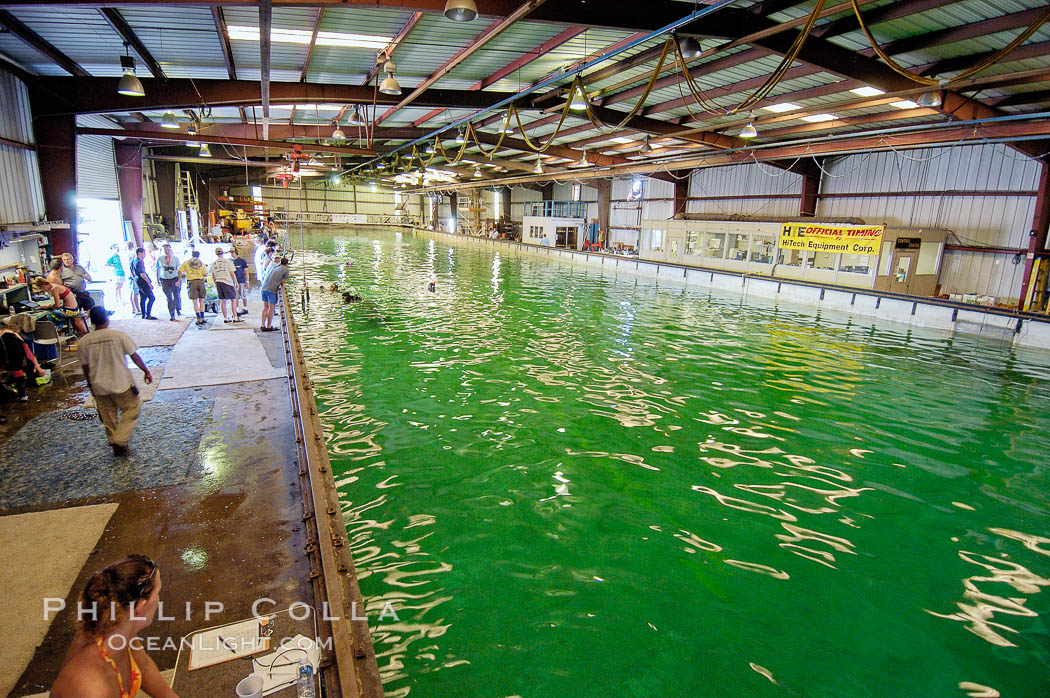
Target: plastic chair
98, 296
46, 333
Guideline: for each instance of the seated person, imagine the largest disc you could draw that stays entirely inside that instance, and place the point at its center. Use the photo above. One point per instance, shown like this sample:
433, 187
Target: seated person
18, 360
66, 305
55, 274
107, 659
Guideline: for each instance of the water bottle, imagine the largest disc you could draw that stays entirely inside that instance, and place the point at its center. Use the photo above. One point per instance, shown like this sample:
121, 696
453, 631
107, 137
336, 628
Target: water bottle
304, 687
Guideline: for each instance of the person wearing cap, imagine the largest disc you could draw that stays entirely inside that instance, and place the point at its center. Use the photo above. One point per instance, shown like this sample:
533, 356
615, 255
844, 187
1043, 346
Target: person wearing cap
240, 271
222, 273
102, 358
194, 271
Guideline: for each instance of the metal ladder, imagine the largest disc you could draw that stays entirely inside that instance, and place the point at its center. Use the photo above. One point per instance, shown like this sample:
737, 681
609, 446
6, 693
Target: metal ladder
187, 194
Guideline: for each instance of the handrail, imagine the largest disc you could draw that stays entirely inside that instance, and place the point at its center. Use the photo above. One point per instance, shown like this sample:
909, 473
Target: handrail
351, 669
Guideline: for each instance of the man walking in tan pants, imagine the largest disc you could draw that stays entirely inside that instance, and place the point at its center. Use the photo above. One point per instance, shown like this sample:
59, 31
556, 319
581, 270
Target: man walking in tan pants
102, 355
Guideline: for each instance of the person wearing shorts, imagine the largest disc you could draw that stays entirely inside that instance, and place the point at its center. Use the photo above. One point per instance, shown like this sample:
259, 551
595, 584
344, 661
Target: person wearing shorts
194, 271
271, 286
240, 271
222, 273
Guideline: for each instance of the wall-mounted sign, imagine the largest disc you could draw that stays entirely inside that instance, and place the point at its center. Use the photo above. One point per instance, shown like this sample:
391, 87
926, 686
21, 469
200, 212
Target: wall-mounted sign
818, 237
908, 244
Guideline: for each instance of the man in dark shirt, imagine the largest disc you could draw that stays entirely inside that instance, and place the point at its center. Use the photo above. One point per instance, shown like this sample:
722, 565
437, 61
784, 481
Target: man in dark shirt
240, 271
145, 285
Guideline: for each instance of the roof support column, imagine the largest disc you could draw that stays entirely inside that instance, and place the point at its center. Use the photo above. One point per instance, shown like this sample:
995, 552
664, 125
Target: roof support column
129, 181
1037, 236
681, 192
453, 204
604, 187
810, 192
56, 140
504, 203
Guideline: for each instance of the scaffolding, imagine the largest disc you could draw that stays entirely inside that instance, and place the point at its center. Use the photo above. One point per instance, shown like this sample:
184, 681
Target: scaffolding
468, 212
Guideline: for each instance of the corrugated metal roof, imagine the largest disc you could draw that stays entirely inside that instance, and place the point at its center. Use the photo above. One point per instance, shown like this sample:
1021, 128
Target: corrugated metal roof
82, 34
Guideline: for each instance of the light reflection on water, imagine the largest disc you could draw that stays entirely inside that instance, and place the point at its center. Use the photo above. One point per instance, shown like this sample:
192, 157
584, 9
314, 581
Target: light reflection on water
567, 481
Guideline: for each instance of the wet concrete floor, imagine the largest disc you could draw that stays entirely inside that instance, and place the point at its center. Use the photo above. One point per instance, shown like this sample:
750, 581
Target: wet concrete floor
230, 534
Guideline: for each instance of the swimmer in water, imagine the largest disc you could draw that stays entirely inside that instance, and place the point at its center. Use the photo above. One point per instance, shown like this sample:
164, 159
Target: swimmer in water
334, 288
349, 263
432, 286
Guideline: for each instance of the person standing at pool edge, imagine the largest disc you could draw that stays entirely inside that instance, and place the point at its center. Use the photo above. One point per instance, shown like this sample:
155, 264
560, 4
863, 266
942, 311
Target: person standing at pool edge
225, 284
101, 356
271, 286
240, 271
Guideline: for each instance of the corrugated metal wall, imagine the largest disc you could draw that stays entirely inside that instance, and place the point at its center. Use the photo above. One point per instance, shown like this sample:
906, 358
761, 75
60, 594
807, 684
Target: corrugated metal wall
518, 197
751, 180
998, 221
625, 218
659, 200
21, 197
96, 165
317, 198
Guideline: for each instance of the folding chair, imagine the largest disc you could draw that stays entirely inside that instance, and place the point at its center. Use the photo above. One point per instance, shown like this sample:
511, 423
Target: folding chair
46, 333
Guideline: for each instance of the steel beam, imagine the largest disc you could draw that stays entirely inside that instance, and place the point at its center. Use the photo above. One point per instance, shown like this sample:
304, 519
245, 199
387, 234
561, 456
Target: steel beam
129, 183
23, 32
56, 147
313, 42
99, 95
224, 40
120, 25
265, 29
201, 138
1038, 234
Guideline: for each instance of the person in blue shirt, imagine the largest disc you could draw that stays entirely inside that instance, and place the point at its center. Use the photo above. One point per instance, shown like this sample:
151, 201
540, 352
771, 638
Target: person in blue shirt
144, 284
240, 271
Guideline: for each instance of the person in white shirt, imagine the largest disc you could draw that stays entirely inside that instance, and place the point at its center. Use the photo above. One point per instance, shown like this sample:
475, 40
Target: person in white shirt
101, 356
222, 273
546, 241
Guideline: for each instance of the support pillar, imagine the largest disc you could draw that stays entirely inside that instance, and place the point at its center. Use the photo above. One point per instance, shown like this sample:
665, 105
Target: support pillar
548, 191
504, 203
810, 190
1037, 236
681, 192
604, 187
56, 139
453, 204
129, 181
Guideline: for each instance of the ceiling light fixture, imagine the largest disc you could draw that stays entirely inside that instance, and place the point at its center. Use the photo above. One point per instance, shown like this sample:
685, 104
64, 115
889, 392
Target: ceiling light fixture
356, 117
477, 173
430, 149
389, 85
306, 36
579, 101
205, 152
818, 118
460, 138
461, 10
689, 47
129, 84
169, 120
583, 162
646, 146
538, 169
749, 131
506, 127
929, 99
904, 104
338, 134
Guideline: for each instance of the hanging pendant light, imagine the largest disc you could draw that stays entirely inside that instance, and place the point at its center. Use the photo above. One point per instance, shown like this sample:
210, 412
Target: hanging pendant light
192, 131
356, 118
538, 169
169, 120
579, 100
430, 149
205, 152
460, 138
477, 173
583, 162
929, 99
646, 146
749, 131
689, 47
461, 10
129, 84
506, 127
338, 134
389, 85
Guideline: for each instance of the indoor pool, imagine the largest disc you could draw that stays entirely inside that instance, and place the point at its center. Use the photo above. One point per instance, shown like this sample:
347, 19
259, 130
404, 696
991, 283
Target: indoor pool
572, 483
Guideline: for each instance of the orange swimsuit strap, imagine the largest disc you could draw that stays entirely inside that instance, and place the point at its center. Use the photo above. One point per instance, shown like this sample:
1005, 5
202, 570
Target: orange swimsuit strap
136, 676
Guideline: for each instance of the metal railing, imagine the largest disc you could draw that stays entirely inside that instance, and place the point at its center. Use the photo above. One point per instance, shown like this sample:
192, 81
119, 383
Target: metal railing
311, 218
556, 209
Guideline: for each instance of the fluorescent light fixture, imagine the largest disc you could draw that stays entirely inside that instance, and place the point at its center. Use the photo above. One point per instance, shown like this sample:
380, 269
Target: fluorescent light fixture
867, 91
817, 118
782, 107
904, 104
304, 36
623, 139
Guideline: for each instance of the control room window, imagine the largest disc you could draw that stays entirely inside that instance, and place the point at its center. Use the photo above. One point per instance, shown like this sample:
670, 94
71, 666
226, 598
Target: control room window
737, 246
656, 240
762, 249
692, 242
716, 245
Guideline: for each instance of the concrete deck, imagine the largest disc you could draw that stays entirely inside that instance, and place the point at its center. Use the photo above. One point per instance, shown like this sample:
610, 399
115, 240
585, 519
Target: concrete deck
210, 490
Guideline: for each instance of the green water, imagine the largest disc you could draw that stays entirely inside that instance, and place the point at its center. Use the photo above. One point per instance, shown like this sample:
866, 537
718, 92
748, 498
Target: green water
570, 483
